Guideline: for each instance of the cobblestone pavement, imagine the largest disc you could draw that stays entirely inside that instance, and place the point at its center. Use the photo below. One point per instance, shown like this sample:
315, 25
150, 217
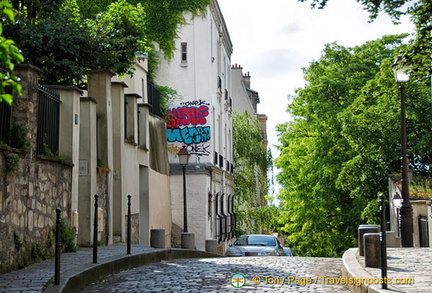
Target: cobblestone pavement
409, 269
274, 274
34, 277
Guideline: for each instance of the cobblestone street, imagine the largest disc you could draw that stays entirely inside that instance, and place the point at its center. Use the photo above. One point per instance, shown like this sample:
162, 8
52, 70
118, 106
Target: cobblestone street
262, 274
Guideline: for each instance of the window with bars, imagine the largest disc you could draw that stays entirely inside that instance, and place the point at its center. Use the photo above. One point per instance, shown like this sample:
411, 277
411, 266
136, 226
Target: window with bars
183, 50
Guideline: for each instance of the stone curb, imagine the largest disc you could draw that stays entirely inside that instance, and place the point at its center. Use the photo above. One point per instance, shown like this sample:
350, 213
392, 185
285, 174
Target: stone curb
353, 269
82, 276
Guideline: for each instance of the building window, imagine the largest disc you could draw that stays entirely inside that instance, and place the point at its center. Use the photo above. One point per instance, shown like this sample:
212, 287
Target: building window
183, 54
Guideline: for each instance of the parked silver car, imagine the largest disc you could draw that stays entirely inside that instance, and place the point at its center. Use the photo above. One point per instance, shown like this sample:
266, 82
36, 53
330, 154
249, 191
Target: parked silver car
255, 245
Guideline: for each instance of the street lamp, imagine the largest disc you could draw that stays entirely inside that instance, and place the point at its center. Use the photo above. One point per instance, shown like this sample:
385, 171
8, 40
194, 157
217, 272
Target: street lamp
184, 156
401, 72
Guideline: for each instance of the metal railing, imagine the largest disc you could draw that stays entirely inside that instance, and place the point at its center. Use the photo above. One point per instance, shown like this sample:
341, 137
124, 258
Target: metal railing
153, 99
48, 121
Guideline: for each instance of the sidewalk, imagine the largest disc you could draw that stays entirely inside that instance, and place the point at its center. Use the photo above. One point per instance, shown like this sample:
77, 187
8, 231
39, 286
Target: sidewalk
404, 266
77, 269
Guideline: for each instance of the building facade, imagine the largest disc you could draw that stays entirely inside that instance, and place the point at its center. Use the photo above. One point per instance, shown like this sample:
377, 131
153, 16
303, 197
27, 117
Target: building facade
201, 121
245, 99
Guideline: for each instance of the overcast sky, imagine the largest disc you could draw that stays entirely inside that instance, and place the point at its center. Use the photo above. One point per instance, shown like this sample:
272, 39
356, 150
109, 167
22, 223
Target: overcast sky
274, 39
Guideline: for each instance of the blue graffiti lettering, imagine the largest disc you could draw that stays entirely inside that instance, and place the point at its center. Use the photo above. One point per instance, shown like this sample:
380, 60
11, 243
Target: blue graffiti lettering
189, 135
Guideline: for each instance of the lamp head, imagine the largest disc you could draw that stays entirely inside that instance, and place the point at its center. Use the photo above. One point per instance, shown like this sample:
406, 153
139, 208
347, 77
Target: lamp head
183, 156
401, 70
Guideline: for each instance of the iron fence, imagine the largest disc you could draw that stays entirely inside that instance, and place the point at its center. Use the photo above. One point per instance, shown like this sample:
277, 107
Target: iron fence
153, 99
48, 121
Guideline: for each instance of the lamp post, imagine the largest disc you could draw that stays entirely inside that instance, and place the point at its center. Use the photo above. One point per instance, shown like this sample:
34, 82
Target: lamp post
401, 77
184, 156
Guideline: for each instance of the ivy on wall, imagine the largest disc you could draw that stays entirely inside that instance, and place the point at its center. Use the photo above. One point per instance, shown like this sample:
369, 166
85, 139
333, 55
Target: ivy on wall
252, 161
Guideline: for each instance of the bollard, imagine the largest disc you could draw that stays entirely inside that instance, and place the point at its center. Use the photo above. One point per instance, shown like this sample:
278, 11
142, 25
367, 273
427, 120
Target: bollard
211, 246
95, 229
383, 241
361, 231
372, 250
129, 225
157, 238
188, 240
57, 249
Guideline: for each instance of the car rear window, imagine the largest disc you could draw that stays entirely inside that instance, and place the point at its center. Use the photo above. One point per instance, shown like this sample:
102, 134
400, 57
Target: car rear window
255, 241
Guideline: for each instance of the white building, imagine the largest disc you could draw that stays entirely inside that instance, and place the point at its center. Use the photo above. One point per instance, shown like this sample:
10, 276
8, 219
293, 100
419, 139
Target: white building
246, 99
200, 72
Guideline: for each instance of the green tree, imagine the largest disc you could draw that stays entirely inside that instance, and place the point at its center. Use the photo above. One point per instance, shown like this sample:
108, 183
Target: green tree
252, 161
344, 141
9, 56
66, 38
120, 33
162, 17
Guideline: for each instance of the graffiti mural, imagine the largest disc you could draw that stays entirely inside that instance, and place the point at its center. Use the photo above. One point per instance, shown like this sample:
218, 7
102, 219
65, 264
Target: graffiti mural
195, 103
189, 135
187, 125
184, 116
199, 149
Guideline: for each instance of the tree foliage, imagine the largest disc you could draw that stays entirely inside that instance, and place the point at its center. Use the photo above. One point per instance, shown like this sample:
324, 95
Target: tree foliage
337, 153
66, 38
252, 161
120, 34
9, 56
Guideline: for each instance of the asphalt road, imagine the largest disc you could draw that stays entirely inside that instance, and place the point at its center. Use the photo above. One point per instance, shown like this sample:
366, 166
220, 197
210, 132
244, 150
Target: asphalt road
237, 274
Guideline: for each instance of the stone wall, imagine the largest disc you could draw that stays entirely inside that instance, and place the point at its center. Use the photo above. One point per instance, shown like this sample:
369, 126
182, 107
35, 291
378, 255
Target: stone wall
31, 187
27, 208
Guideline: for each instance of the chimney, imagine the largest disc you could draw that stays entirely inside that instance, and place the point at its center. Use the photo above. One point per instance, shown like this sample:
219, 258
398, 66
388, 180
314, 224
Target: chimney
246, 79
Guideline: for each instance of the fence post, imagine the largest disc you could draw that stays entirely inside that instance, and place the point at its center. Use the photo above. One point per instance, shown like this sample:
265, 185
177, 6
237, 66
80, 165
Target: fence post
57, 249
383, 242
95, 229
129, 226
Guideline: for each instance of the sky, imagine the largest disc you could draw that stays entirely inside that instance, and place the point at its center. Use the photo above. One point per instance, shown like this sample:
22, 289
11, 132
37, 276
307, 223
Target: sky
274, 39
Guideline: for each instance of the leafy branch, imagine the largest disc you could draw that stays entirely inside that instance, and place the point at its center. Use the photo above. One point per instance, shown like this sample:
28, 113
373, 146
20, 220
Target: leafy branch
9, 55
